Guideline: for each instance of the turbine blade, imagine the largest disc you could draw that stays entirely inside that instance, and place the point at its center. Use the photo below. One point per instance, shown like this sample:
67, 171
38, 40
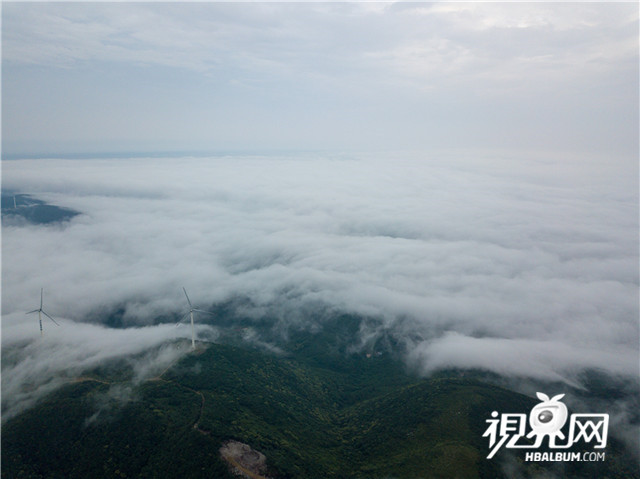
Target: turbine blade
183, 318
202, 311
50, 318
34, 311
188, 300
41, 290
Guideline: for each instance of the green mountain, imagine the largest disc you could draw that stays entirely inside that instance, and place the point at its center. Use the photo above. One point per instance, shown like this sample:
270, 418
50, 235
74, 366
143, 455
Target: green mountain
33, 210
313, 415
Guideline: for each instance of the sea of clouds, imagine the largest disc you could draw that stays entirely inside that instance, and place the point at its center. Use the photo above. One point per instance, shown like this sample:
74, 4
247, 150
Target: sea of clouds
526, 266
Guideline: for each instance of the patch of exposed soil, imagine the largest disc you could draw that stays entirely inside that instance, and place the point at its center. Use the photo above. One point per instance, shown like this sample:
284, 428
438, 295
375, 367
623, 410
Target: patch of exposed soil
243, 460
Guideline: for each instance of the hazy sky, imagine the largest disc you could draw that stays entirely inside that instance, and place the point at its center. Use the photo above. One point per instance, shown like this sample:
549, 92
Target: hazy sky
366, 76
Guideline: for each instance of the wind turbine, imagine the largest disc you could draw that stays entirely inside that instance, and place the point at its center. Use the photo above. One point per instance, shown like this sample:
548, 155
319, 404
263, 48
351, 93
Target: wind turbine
41, 312
190, 313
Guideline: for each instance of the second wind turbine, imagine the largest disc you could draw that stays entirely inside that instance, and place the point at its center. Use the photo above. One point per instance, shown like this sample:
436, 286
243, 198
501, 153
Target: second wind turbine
190, 313
41, 312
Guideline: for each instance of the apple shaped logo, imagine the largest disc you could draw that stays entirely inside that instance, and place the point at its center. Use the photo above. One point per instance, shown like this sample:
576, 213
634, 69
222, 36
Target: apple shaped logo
548, 417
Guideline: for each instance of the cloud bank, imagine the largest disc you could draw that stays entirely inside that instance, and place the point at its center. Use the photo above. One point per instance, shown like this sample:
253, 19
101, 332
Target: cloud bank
523, 266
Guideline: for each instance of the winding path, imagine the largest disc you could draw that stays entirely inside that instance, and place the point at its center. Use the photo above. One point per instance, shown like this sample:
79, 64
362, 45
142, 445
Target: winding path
196, 425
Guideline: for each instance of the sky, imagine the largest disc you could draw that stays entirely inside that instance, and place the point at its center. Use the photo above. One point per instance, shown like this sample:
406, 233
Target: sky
140, 77
463, 176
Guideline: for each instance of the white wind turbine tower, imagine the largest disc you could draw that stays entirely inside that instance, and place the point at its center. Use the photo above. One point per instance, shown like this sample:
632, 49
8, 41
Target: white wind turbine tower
41, 312
190, 313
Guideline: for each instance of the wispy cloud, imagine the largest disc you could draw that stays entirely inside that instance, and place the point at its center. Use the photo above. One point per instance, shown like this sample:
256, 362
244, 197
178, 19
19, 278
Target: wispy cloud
33, 367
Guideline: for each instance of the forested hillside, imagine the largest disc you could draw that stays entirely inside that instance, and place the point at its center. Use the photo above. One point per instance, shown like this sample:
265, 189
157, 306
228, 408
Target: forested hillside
360, 417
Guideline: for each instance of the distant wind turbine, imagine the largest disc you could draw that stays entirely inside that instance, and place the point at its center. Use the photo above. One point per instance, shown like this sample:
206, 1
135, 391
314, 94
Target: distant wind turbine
190, 313
41, 312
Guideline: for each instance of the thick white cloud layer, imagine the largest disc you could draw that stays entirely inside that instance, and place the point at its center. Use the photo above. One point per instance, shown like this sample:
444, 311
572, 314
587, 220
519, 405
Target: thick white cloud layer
523, 266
